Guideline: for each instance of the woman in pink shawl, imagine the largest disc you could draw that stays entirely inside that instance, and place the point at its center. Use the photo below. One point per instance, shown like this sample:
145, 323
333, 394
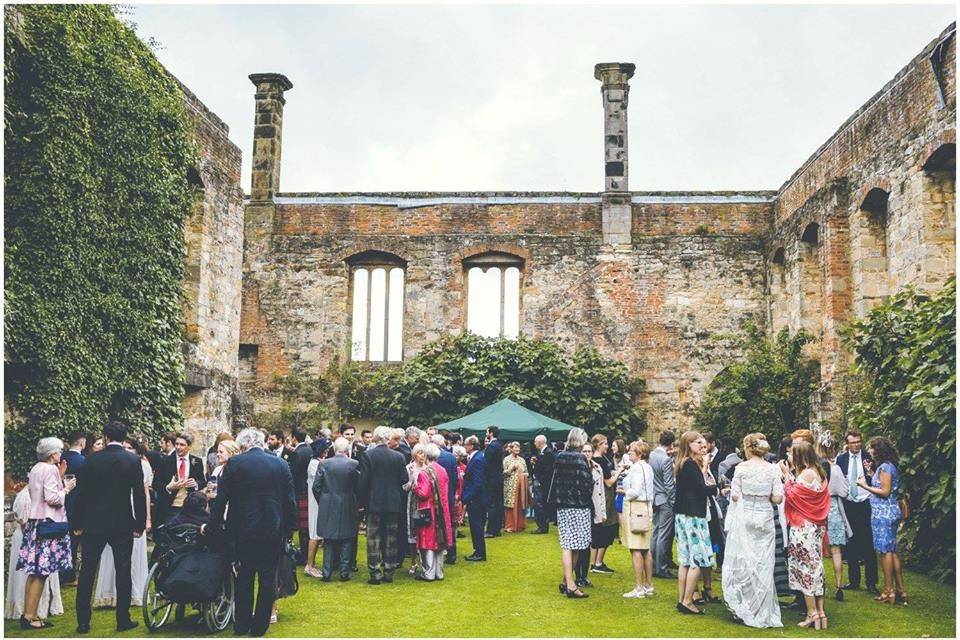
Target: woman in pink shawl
433, 539
807, 506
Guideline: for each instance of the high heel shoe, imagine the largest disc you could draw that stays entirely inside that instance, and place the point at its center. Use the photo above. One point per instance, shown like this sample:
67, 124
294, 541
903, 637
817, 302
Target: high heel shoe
810, 621
887, 597
576, 593
563, 588
901, 598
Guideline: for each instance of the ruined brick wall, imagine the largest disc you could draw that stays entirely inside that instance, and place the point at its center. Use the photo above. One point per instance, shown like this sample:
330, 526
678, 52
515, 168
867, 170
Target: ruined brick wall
871, 211
214, 238
669, 306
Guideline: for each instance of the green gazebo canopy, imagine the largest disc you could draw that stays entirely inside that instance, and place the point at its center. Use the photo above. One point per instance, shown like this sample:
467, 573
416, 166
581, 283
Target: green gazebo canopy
515, 422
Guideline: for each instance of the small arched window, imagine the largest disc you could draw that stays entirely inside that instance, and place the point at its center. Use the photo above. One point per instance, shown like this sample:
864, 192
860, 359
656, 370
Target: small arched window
377, 281
493, 294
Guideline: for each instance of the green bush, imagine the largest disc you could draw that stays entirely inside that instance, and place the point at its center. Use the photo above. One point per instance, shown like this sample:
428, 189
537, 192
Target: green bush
768, 390
98, 145
906, 353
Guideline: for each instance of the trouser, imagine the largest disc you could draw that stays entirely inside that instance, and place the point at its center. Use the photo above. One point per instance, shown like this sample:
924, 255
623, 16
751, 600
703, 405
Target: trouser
402, 531
662, 543
583, 564
541, 510
92, 545
337, 555
71, 574
495, 511
432, 564
255, 560
477, 517
353, 552
859, 548
382, 529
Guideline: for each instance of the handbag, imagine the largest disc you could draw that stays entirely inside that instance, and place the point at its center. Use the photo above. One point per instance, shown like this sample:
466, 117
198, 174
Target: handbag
287, 582
639, 522
422, 518
47, 529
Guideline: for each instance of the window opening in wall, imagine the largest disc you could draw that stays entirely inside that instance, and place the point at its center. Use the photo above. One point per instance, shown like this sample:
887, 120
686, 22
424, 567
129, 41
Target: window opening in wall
377, 302
493, 295
247, 362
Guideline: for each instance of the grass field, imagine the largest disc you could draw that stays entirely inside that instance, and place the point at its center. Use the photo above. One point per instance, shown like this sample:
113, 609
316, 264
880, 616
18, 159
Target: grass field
515, 594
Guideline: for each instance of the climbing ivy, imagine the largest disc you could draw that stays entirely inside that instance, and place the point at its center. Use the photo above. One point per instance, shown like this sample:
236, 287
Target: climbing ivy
97, 148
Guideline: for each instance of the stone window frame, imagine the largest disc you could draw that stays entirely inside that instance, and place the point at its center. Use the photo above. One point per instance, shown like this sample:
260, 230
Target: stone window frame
502, 259
371, 260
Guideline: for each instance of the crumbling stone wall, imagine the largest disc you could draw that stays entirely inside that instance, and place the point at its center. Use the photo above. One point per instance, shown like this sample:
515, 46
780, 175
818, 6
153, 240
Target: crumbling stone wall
212, 287
881, 194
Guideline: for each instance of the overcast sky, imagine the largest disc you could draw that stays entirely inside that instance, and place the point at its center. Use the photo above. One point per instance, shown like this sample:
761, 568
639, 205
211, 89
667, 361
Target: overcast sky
447, 98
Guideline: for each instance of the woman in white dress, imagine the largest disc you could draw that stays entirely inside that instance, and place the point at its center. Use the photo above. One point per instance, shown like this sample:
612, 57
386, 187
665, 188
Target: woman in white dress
749, 590
50, 602
105, 594
314, 539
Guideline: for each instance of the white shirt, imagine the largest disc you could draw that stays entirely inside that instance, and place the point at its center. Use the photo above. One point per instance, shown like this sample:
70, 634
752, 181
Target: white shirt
638, 483
862, 494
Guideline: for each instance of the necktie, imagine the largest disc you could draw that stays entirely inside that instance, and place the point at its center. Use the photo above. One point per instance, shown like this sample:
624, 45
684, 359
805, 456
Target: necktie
182, 473
854, 473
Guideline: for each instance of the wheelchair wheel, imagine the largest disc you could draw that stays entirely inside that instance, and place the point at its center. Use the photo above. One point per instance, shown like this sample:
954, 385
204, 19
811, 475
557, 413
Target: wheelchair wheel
219, 613
156, 606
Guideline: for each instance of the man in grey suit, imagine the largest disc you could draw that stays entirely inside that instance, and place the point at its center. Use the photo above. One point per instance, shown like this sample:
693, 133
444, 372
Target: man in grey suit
664, 495
336, 488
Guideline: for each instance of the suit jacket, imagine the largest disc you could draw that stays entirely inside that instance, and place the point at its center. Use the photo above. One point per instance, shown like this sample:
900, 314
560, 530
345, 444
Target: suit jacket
664, 481
543, 470
155, 458
105, 483
493, 465
168, 471
405, 451
474, 481
299, 461
383, 473
258, 489
843, 461
336, 488
449, 463
74, 461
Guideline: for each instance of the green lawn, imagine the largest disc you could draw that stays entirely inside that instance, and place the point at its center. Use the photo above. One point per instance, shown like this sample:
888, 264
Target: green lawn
515, 594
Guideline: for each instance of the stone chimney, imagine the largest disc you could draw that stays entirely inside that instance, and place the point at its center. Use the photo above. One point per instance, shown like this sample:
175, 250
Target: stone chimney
267, 128
616, 209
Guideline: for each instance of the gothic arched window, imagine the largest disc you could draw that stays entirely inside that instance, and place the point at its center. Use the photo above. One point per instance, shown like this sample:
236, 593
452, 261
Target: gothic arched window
493, 294
377, 280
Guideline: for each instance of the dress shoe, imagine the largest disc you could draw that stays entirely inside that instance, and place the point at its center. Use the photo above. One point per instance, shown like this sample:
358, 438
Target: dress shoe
850, 587
126, 626
387, 579
326, 578
373, 581
873, 591
583, 582
83, 628
475, 558
488, 535
344, 577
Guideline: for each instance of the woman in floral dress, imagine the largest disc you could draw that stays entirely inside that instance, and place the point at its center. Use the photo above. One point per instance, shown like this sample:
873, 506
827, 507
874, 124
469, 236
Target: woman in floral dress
807, 507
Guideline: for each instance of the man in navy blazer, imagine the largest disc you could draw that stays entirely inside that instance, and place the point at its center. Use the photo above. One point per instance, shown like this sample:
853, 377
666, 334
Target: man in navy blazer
493, 460
258, 489
449, 463
73, 457
855, 463
475, 497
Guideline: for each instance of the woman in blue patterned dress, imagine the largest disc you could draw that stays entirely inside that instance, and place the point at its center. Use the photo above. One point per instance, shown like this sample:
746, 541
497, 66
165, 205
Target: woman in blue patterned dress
884, 488
694, 550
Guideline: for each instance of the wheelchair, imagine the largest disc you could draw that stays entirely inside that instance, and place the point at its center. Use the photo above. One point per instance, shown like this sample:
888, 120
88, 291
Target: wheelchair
171, 541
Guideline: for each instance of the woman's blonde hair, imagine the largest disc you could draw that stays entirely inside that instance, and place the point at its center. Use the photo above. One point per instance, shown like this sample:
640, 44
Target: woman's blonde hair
756, 444
231, 447
683, 450
804, 457
641, 448
597, 440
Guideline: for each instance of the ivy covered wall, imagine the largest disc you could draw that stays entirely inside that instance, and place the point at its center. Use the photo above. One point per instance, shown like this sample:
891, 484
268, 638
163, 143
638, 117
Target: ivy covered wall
97, 147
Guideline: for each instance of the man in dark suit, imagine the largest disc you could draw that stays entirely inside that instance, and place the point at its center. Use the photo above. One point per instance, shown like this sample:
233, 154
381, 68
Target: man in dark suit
475, 497
542, 474
449, 463
493, 465
73, 457
180, 473
856, 463
299, 461
336, 488
256, 494
103, 515
382, 476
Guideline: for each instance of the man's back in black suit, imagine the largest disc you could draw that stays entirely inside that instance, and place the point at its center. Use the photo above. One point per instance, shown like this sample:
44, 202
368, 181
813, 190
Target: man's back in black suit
106, 484
383, 473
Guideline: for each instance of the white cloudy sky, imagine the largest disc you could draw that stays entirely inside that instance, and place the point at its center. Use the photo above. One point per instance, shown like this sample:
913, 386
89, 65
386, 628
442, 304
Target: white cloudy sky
395, 98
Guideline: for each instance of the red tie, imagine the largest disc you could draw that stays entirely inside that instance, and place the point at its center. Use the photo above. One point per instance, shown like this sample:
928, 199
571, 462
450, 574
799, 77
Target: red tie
183, 469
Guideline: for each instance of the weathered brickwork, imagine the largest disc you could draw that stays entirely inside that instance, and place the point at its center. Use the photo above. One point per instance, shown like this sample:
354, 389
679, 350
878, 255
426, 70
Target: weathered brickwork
873, 210
662, 281
212, 287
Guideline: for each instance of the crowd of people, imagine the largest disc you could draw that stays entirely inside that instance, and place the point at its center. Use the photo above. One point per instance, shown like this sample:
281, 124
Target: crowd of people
763, 522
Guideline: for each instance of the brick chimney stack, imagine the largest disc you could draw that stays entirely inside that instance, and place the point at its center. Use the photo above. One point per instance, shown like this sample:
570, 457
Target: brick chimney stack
617, 213
267, 128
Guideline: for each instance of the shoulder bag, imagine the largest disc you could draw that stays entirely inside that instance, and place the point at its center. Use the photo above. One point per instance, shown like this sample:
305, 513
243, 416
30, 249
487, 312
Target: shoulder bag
639, 522
47, 529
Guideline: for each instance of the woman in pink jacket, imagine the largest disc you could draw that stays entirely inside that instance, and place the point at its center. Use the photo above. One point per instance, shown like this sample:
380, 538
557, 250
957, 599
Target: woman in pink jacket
433, 539
42, 556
